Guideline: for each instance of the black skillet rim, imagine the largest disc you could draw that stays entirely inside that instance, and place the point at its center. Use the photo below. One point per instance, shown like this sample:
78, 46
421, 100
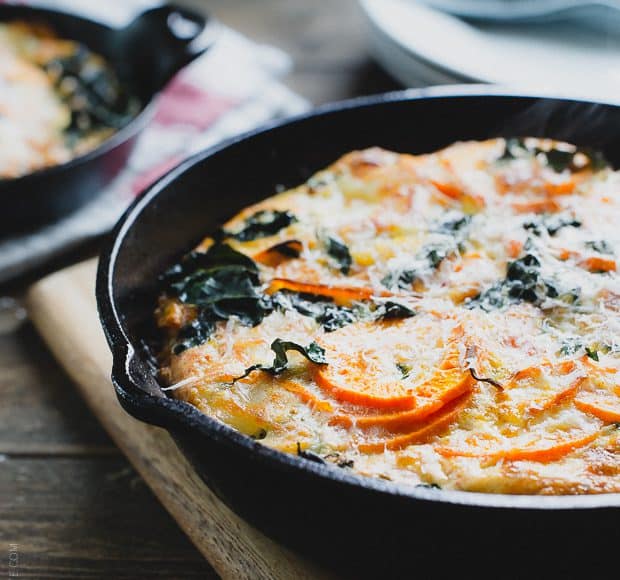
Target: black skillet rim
175, 415
124, 134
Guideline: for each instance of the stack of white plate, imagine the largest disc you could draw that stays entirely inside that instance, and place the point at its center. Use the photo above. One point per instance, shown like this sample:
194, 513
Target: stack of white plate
420, 45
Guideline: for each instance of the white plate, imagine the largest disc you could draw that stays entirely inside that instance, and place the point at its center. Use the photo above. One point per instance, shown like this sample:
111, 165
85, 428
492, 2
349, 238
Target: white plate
523, 9
419, 45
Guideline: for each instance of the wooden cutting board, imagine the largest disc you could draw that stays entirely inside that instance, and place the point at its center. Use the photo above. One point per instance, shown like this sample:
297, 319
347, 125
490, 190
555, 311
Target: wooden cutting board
62, 307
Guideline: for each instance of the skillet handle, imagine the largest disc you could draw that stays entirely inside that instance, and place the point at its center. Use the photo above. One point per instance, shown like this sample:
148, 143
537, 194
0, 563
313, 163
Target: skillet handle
162, 40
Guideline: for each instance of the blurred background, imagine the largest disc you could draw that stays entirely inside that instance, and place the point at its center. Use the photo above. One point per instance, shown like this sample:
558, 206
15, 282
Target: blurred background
339, 47
325, 39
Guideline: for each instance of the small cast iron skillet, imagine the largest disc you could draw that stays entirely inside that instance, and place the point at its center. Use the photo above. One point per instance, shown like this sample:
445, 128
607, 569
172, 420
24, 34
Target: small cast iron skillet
146, 54
359, 526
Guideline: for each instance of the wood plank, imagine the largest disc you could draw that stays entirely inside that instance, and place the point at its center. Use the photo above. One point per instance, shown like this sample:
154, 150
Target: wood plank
40, 412
89, 518
62, 307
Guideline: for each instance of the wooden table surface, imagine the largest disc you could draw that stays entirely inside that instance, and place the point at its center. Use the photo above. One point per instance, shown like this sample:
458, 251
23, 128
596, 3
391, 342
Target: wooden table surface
70, 504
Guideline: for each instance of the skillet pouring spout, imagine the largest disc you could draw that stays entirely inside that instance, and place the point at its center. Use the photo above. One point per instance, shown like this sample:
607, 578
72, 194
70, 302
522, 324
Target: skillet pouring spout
164, 40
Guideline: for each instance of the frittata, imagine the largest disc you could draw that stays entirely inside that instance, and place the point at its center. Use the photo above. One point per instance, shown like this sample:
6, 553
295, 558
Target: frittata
448, 320
58, 100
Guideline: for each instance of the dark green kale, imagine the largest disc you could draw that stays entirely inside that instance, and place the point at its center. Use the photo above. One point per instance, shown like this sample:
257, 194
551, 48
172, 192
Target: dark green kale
392, 311
331, 316
91, 91
514, 149
313, 352
405, 370
433, 255
263, 223
221, 283
334, 317
403, 279
339, 252
290, 248
428, 485
592, 353
570, 346
436, 255
600, 246
309, 455
553, 224
339, 460
559, 160
562, 160
454, 225
523, 283
194, 333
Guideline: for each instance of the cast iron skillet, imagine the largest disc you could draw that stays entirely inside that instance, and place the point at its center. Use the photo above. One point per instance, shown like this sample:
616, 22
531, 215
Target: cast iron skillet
146, 54
359, 526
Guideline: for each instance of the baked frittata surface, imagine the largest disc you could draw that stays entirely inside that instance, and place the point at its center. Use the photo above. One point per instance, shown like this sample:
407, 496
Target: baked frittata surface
58, 100
449, 319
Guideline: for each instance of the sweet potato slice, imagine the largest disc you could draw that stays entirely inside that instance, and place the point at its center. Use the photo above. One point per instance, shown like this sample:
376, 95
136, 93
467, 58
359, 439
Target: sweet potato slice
435, 425
454, 192
537, 206
362, 372
544, 452
306, 396
448, 189
598, 264
536, 389
445, 386
340, 294
566, 187
278, 253
605, 407
352, 381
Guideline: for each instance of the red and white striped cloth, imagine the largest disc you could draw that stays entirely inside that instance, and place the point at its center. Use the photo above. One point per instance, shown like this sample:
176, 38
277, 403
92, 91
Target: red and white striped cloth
233, 88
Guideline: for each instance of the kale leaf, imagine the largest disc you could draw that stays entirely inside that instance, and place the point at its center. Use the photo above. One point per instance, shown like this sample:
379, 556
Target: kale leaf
323, 310
454, 225
290, 248
193, 334
523, 283
340, 253
221, 283
405, 370
403, 279
263, 223
430, 256
313, 352
94, 95
600, 246
334, 317
553, 224
309, 455
559, 160
393, 310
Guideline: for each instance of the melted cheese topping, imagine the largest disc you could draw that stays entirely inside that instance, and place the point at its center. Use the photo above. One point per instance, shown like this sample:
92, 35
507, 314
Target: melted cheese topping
506, 379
